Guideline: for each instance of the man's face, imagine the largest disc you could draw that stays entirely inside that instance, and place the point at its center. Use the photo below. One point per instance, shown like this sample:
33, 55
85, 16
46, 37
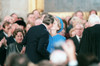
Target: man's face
80, 15
31, 18
79, 30
7, 28
15, 17
13, 27
36, 13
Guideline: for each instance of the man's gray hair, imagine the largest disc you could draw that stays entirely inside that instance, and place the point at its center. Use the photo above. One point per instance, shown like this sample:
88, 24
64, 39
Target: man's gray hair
94, 19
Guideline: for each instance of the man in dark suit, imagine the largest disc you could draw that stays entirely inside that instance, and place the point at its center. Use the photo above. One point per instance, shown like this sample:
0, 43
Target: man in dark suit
76, 42
90, 42
6, 27
77, 38
36, 40
6, 32
3, 37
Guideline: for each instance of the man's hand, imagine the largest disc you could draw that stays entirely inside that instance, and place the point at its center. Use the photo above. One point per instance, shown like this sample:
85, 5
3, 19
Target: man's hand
69, 48
23, 50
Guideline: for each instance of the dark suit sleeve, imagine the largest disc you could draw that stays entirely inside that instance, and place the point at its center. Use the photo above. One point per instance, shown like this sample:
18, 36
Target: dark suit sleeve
42, 46
11, 48
10, 40
85, 41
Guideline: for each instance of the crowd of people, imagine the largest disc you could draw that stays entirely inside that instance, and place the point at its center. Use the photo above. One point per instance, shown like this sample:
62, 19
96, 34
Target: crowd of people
49, 40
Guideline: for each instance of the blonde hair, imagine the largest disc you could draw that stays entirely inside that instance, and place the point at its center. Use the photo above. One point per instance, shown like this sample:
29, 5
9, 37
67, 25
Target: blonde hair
70, 32
58, 22
77, 24
75, 20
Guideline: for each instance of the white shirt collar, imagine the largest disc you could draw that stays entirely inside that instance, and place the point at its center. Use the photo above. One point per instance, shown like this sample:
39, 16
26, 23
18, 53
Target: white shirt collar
14, 39
78, 38
5, 34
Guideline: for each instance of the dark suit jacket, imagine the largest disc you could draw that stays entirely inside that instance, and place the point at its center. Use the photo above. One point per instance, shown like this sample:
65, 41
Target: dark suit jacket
76, 42
14, 48
36, 41
10, 40
2, 35
90, 42
2, 49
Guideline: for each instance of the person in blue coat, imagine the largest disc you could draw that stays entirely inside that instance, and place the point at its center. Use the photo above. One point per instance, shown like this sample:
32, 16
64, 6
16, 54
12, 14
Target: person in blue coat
54, 37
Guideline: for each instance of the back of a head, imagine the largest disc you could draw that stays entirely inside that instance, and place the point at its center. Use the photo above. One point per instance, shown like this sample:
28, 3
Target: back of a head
87, 60
20, 60
58, 57
22, 23
15, 59
94, 19
48, 19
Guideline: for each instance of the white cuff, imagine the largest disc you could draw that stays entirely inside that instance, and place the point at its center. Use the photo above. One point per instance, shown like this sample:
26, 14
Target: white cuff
73, 63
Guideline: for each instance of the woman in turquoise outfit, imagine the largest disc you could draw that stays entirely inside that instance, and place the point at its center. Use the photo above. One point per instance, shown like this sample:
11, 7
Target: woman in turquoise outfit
54, 37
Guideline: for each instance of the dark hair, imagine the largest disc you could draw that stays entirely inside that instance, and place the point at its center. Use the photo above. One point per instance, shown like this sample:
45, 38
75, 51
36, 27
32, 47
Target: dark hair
69, 21
18, 30
93, 10
21, 18
64, 21
48, 19
6, 23
87, 59
21, 22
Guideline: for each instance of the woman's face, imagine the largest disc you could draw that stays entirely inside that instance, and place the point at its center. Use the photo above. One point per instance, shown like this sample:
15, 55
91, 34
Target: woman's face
55, 26
19, 37
80, 15
93, 12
